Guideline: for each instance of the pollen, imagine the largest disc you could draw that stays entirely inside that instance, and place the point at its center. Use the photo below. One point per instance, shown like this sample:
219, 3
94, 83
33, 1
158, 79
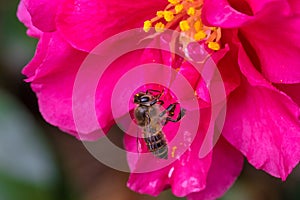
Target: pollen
198, 26
160, 13
169, 16
185, 16
173, 2
178, 8
184, 25
191, 11
173, 151
200, 35
159, 27
147, 25
214, 46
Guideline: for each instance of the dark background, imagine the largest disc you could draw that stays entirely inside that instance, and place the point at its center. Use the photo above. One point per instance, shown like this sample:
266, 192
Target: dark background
37, 161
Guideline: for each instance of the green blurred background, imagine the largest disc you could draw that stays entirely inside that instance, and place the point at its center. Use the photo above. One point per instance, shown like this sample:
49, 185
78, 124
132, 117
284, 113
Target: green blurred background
39, 162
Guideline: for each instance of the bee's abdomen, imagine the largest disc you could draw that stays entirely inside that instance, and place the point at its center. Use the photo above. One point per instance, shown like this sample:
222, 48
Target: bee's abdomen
157, 144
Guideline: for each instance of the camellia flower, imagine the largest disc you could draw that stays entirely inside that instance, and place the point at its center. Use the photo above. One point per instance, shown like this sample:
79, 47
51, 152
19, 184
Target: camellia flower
255, 45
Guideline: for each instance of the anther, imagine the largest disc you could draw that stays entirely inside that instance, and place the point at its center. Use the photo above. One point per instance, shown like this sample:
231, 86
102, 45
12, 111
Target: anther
169, 16
174, 2
191, 11
178, 8
159, 27
214, 46
160, 13
200, 35
147, 25
184, 25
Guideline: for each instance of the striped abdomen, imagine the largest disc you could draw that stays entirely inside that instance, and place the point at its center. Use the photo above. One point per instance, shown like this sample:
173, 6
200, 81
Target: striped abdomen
156, 143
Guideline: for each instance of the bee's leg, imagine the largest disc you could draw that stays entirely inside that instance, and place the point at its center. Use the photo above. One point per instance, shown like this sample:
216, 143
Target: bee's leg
179, 117
155, 101
170, 109
161, 102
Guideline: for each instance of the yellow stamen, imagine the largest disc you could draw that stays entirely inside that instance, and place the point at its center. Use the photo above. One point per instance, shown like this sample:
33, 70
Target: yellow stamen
200, 35
214, 46
147, 25
160, 13
198, 26
178, 8
169, 16
191, 11
174, 2
184, 25
159, 27
185, 16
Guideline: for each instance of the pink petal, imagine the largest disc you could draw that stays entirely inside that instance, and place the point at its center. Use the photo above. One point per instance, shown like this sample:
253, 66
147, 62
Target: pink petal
190, 73
263, 123
229, 75
227, 163
52, 73
257, 5
32, 68
220, 13
24, 16
197, 83
222, 61
292, 90
294, 6
85, 23
151, 183
279, 61
43, 13
229, 71
118, 81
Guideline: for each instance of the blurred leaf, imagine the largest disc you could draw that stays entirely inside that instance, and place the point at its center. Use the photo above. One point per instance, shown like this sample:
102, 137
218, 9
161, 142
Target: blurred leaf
167, 194
27, 167
16, 47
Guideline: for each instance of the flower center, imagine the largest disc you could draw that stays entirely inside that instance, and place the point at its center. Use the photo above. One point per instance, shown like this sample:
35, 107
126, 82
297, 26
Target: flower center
185, 16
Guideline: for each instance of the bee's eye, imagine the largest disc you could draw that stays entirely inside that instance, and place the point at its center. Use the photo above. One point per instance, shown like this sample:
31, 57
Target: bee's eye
144, 99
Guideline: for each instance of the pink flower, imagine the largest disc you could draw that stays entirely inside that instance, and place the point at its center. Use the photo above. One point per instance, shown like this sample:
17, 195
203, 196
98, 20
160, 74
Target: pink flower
257, 45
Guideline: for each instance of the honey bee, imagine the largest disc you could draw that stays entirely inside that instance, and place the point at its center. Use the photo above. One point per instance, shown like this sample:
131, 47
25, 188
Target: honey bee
151, 118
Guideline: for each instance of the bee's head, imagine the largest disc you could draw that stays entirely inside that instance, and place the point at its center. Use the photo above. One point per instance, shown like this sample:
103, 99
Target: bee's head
142, 98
